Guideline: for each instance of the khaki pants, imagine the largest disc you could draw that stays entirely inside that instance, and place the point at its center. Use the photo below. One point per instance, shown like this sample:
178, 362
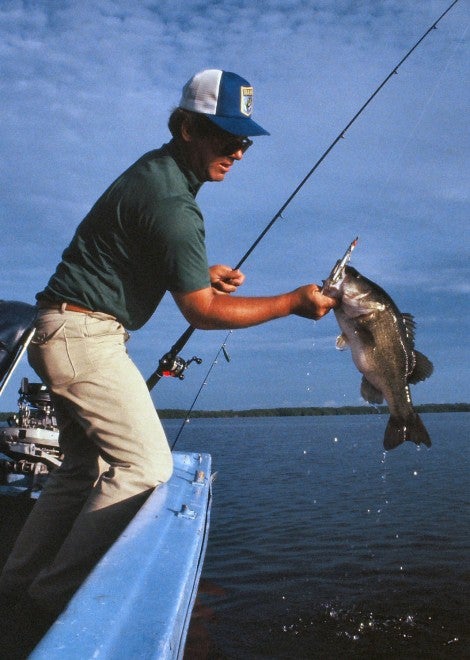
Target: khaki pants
115, 453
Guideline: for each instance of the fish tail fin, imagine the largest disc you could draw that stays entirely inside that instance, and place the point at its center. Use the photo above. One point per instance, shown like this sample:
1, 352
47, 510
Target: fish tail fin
398, 430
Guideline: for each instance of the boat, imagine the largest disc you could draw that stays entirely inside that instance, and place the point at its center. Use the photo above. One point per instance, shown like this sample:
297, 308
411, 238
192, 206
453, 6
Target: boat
137, 601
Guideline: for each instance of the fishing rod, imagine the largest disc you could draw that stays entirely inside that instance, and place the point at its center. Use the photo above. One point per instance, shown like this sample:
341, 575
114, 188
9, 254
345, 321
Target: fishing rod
172, 364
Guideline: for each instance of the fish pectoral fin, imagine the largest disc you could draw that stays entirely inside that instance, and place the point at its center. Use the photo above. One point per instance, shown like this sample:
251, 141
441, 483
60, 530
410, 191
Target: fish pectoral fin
370, 393
342, 342
423, 368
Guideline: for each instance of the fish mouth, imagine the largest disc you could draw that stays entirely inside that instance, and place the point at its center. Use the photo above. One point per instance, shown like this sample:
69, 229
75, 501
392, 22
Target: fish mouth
332, 285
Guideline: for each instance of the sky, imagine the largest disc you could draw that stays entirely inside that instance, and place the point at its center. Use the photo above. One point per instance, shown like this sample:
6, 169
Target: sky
86, 88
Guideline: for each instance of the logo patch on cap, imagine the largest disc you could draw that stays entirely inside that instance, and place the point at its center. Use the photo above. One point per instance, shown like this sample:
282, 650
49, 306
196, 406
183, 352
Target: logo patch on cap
246, 100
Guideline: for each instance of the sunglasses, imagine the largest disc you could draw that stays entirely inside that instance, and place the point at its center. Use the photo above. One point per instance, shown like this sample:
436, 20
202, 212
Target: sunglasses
223, 142
226, 146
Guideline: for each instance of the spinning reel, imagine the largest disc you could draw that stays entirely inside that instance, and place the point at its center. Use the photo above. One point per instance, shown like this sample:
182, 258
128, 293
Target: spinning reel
175, 365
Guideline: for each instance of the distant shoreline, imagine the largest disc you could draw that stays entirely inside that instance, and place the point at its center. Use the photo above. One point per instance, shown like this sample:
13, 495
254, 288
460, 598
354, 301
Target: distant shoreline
174, 413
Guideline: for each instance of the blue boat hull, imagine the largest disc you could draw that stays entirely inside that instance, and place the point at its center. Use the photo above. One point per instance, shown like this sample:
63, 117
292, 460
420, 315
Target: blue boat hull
137, 602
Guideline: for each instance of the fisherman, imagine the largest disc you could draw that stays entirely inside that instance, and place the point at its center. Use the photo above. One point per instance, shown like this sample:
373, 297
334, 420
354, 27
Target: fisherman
144, 236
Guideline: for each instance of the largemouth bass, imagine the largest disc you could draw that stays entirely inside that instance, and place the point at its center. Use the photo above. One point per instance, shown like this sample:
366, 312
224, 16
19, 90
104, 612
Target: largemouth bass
381, 339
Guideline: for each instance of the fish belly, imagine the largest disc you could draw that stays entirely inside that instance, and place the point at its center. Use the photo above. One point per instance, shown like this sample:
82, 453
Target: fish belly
379, 353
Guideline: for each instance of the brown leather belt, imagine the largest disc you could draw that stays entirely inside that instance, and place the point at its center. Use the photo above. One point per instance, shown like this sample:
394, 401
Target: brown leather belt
63, 306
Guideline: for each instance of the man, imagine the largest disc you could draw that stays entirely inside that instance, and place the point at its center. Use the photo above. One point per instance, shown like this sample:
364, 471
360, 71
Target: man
144, 236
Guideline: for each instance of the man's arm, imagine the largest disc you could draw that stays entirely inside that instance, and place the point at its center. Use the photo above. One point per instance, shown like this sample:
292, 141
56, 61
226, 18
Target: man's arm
207, 309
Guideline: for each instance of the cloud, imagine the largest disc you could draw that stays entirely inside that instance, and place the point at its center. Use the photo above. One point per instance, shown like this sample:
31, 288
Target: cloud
87, 87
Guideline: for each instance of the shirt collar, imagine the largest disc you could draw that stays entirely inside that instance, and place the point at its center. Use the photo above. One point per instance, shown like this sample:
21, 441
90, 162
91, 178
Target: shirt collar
176, 153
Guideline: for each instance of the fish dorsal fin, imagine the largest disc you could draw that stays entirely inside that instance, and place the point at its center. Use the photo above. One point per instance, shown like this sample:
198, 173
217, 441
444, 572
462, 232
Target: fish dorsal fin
410, 325
370, 393
423, 368
342, 342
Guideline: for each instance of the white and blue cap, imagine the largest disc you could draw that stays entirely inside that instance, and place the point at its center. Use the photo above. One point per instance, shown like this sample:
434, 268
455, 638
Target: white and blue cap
224, 98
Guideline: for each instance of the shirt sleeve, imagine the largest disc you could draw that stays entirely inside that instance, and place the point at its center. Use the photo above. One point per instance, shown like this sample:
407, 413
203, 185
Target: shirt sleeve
178, 243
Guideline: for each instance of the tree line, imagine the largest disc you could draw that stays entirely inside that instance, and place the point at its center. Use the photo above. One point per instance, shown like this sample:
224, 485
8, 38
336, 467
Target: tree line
177, 413
172, 413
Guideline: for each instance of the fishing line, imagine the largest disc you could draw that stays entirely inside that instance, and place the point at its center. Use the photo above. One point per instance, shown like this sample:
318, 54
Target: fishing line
426, 104
171, 363
223, 350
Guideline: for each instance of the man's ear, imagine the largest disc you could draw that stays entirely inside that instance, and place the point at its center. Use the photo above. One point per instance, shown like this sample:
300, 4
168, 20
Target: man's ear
186, 130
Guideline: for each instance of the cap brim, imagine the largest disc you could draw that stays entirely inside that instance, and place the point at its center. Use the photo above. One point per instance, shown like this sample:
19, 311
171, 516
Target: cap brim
237, 125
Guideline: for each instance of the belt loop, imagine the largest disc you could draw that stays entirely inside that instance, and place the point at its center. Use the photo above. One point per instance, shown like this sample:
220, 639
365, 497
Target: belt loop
63, 307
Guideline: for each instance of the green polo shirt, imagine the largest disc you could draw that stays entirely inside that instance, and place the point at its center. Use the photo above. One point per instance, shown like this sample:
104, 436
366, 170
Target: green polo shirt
144, 236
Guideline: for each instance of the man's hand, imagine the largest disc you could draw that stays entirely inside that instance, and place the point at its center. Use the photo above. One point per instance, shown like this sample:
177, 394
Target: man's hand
312, 304
224, 279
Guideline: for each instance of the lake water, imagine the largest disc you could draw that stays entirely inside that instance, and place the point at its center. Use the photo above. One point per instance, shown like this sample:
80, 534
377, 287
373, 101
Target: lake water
321, 545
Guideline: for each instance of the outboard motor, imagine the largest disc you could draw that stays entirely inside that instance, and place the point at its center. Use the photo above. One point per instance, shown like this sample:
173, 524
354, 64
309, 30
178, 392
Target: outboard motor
29, 445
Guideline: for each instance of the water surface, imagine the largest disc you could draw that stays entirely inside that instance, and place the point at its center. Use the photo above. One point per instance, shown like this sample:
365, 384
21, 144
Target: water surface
323, 545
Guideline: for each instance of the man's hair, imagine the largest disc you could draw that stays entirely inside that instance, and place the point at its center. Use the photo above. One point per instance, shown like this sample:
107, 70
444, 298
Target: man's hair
176, 120
198, 124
